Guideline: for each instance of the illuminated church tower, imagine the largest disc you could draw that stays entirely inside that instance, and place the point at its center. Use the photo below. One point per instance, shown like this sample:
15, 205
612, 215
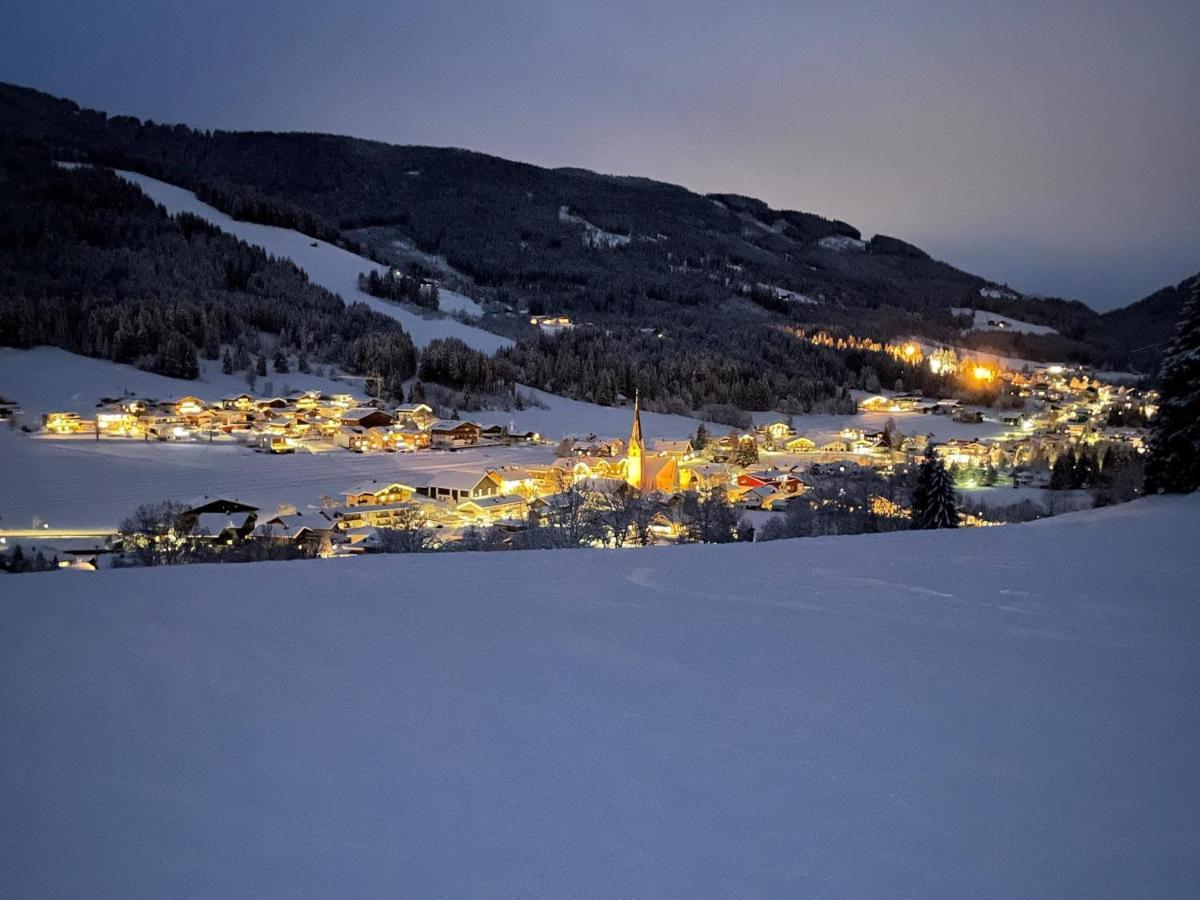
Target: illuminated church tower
633, 458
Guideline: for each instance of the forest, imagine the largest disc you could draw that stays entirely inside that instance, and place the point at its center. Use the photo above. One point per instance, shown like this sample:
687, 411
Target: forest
500, 226
89, 264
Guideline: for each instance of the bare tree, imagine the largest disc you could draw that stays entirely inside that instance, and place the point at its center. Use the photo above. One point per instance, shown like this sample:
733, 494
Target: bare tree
410, 533
160, 534
708, 517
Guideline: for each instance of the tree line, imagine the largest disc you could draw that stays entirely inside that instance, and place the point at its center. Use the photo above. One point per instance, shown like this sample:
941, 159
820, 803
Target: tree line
90, 265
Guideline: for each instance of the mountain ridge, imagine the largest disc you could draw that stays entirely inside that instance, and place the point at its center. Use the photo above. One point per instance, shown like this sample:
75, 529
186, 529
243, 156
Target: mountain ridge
670, 253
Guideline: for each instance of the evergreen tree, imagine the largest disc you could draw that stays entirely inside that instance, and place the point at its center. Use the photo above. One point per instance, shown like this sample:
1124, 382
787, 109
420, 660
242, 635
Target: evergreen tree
701, 440
260, 365
281, 361
1174, 464
1061, 472
302, 363
934, 502
227, 363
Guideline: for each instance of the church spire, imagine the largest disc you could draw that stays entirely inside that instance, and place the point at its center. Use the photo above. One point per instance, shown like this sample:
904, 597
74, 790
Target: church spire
635, 437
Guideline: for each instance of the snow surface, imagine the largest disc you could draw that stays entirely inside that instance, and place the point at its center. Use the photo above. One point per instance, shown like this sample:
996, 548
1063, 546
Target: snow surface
326, 265
1005, 712
593, 235
841, 242
47, 379
80, 482
990, 321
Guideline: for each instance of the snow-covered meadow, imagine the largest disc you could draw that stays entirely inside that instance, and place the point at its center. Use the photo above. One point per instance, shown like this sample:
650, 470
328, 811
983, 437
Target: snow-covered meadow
1005, 712
983, 320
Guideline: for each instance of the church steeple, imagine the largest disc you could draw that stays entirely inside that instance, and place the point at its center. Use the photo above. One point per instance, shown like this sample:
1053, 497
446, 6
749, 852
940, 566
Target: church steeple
635, 437
633, 454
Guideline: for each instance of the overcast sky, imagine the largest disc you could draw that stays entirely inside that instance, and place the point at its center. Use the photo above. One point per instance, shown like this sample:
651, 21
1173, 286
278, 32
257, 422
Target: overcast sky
1056, 149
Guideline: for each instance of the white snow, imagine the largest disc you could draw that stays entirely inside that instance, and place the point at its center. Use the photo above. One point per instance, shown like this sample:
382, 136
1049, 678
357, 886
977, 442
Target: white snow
593, 235
326, 265
1006, 712
841, 242
45, 379
785, 294
990, 321
993, 293
824, 427
84, 483
452, 301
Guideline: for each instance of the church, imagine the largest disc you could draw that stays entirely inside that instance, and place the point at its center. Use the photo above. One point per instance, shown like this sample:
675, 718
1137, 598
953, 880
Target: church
648, 474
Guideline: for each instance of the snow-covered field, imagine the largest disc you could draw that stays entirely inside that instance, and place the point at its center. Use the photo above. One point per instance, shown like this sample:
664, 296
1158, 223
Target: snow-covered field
46, 379
990, 321
825, 427
84, 483
326, 265
993, 712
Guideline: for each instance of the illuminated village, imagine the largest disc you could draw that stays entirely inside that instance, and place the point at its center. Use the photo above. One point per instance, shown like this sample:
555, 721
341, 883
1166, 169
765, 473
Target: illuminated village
760, 470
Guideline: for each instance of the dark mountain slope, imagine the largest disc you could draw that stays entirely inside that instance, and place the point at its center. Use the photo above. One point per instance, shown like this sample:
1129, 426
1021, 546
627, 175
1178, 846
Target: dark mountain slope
1142, 330
622, 252
89, 264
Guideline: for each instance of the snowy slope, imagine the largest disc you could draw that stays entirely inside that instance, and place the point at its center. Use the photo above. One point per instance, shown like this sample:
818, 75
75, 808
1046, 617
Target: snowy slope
326, 265
819, 718
990, 321
46, 378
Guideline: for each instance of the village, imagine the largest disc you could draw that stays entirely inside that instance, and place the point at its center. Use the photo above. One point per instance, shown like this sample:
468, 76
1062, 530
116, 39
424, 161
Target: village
755, 471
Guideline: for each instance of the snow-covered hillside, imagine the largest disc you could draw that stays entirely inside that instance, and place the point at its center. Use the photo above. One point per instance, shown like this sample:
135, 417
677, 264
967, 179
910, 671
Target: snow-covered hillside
326, 265
983, 320
46, 378
992, 712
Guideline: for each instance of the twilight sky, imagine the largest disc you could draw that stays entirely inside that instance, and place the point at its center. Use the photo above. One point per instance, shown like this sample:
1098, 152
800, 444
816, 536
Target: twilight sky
1052, 145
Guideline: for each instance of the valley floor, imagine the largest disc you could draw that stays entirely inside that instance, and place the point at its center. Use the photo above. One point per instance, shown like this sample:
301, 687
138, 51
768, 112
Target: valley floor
982, 713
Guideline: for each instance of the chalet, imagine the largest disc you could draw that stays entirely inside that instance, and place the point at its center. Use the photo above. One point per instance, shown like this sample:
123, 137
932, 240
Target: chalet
678, 449
594, 446
551, 324
800, 445
453, 433
754, 497
418, 415
490, 509
116, 419
516, 480
354, 439
220, 518
704, 475
942, 408
378, 493
777, 431
187, 407
66, 423
366, 417
240, 402
458, 486
390, 515
407, 438
275, 442
495, 433
314, 538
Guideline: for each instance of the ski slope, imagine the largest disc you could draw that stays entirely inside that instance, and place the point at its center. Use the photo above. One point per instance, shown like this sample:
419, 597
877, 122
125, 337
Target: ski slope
326, 265
1006, 712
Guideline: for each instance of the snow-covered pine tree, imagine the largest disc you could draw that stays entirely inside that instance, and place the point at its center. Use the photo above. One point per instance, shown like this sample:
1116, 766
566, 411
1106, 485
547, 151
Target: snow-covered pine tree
934, 501
1174, 464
